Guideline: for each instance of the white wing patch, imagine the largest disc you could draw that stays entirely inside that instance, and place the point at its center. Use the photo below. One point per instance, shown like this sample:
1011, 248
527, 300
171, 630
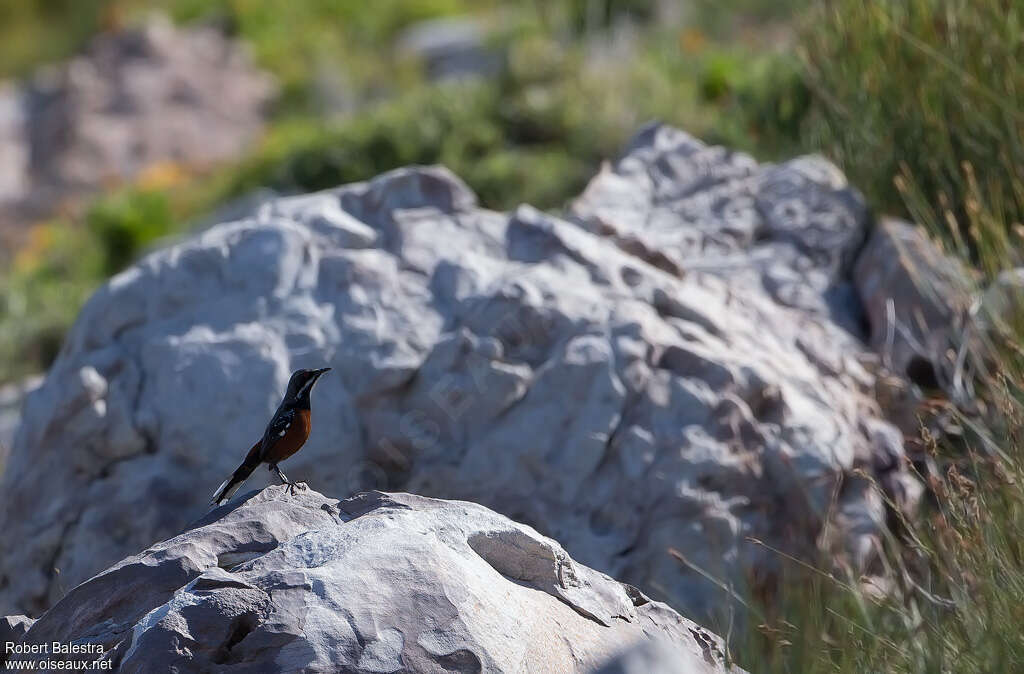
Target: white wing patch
279, 426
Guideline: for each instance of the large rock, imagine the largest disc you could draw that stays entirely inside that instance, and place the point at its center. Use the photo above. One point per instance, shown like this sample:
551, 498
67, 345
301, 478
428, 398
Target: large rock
653, 656
915, 296
1000, 308
11, 398
377, 583
682, 376
12, 631
792, 230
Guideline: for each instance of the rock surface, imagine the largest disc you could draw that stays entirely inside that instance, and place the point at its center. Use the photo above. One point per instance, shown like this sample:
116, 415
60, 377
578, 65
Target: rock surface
913, 293
678, 365
11, 398
649, 657
1001, 305
12, 630
377, 583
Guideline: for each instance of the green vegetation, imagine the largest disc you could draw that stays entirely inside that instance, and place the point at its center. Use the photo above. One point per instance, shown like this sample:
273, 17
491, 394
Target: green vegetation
42, 32
49, 280
465, 128
126, 223
958, 600
959, 607
930, 92
920, 102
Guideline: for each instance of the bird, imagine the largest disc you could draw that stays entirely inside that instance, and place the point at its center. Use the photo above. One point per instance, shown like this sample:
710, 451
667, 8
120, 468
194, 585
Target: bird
285, 434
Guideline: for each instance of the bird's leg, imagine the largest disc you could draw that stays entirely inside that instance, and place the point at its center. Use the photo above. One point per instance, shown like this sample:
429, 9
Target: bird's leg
284, 479
280, 475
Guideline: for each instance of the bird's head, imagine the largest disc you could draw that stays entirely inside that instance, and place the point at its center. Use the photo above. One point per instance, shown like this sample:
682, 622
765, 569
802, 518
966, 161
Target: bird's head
302, 382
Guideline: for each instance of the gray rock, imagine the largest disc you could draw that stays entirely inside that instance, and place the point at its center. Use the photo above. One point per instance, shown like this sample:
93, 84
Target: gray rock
990, 331
12, 631
449, 48
1001, 306
617, 389
235, 209
914, 295
377, 583
154, 98
657, 657
11, 398
791, 229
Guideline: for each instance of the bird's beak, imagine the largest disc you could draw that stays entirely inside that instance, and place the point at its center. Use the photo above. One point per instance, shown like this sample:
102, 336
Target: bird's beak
317, 373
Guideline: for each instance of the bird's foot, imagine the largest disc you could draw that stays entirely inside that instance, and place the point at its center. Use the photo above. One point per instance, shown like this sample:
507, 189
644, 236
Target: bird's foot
292, 486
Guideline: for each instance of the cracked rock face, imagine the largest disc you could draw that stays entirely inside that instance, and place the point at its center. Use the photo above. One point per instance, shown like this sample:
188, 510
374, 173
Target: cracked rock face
671, 367
377, 583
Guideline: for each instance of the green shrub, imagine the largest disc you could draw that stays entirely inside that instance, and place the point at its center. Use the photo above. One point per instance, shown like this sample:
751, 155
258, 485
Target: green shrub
126, 223
511, 143
37, 31
40, 294
737, 20
763, 102
310, 43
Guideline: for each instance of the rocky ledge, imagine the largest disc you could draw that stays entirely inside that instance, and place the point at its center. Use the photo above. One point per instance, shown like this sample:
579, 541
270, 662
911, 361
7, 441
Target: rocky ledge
375, 583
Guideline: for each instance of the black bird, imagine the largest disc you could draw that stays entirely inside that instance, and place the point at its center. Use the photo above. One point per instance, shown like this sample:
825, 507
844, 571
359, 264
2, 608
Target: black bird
285, 435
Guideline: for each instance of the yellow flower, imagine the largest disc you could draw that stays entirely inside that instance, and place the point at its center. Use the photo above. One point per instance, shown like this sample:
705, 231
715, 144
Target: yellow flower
40, 239
161, 175
692, 40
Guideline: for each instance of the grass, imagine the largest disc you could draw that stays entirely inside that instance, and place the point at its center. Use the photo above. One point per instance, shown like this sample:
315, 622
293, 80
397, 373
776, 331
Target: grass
959, 597
932, 95
919, 103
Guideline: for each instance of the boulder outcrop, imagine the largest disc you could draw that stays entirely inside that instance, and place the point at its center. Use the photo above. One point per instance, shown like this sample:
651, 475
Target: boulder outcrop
380, 582
679, 362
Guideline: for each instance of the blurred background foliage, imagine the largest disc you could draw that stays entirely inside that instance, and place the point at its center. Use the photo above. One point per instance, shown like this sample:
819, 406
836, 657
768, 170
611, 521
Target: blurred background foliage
919, 101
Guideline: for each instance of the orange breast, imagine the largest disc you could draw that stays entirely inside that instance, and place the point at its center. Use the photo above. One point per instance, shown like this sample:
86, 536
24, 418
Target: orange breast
292, 440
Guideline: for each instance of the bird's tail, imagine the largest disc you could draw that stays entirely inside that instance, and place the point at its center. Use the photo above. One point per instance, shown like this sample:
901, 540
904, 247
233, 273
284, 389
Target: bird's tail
228, 488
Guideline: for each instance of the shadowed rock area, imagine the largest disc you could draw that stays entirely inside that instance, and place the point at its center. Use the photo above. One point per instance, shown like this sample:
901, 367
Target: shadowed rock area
680, 362
376, 583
